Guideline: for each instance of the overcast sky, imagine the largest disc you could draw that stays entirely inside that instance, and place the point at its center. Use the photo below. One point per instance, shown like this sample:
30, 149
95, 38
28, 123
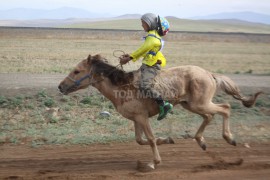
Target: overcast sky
179, 8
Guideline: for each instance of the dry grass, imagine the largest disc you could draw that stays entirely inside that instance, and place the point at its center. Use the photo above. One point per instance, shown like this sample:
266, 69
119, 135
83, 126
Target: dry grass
56, 51
221, 57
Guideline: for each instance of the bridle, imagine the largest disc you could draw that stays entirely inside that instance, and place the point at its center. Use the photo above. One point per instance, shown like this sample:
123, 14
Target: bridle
88, 76
78, 82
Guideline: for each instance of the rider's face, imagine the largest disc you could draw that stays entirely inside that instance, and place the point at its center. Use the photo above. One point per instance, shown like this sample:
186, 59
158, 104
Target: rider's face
145, 26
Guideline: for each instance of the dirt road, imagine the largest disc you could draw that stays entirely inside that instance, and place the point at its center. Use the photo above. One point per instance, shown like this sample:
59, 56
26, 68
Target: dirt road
183, 160
13, 83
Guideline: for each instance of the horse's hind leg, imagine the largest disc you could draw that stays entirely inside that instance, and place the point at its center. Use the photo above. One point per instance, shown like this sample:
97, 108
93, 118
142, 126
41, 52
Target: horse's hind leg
199, 137
227, 135
206, 119
140, 140
207, 111
224, 111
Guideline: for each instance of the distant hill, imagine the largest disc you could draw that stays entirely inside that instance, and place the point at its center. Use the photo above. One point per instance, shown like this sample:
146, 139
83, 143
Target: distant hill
60, 13
76, 13
129, 16
181, 25
177, 24
77, 18
45, 22
244, 16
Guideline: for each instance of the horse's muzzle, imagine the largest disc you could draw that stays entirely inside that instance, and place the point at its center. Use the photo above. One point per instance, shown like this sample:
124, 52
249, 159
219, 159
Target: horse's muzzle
63, 89
60, 89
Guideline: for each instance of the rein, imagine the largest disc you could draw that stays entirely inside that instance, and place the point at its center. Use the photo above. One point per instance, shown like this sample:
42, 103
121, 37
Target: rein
78, 82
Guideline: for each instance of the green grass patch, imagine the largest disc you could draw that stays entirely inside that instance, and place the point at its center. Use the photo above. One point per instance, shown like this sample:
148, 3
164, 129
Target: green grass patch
76, 119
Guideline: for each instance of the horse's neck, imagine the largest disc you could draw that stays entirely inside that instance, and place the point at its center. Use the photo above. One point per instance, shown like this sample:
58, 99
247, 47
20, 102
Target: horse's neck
118, 94
108, 90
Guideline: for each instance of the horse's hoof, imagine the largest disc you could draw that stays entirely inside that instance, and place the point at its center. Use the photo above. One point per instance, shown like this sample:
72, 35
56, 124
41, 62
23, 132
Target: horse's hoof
143, 167
201, 143
171, 141
233, 142
203, 146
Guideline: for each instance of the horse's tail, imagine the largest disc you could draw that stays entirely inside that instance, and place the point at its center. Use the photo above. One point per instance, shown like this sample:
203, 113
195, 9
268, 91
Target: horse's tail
229, 87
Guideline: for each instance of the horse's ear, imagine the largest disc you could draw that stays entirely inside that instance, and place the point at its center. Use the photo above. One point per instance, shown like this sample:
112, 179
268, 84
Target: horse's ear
89, 58
98, 57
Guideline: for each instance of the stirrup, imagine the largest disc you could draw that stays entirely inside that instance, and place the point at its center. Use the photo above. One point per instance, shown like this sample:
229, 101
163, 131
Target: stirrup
163, 112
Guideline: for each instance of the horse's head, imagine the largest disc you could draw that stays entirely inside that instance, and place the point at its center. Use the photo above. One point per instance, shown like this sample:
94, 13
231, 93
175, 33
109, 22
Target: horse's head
80, 77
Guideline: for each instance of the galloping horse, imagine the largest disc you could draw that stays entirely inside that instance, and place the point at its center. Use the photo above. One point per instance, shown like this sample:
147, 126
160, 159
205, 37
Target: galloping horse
193, 88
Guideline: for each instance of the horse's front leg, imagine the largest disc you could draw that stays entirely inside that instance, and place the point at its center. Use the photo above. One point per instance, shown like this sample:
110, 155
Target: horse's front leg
145, 125
141, 141
139, 134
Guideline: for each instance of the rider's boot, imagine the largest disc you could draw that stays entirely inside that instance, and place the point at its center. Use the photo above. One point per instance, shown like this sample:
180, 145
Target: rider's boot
164, 108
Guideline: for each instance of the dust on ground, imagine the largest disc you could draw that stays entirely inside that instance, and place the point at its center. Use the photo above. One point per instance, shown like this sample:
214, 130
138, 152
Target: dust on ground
183, 160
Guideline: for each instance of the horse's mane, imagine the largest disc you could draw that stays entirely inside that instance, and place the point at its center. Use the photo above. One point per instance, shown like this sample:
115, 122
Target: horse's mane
116, 75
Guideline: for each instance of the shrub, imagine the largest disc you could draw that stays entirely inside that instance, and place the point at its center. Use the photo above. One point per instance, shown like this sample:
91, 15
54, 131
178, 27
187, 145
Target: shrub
49, 102
15, 102
86, 100
3, 101
42, 94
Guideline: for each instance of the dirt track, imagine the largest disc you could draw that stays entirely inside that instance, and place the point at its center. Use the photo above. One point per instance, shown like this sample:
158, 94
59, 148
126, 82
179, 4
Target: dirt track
15, 83
183, 160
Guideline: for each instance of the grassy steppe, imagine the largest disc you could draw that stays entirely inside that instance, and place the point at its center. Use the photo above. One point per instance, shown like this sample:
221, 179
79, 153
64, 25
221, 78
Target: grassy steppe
57, 51
75, 119
54, 119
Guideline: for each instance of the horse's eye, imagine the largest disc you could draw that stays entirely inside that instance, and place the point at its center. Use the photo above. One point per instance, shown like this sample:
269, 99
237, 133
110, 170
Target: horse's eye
76, 72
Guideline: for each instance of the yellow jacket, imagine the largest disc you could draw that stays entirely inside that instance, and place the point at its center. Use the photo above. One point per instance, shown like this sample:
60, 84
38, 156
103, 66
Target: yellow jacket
150, 50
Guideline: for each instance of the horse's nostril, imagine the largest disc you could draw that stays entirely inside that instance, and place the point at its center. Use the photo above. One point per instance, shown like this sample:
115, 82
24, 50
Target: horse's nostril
59, 87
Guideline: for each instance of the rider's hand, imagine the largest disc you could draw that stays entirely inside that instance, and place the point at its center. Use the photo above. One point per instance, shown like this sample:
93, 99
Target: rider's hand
124, 59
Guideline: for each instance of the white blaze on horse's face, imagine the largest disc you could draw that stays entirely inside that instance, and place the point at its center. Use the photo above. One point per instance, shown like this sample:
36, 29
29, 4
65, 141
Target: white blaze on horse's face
78, 78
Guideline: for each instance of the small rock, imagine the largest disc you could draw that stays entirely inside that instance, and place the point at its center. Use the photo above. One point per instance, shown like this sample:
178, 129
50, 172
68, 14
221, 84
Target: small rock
105, 114
246, 145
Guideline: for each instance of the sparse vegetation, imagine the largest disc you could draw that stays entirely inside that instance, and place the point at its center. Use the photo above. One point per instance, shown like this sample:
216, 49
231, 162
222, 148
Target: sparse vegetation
69, 122
54, 119
57, 51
